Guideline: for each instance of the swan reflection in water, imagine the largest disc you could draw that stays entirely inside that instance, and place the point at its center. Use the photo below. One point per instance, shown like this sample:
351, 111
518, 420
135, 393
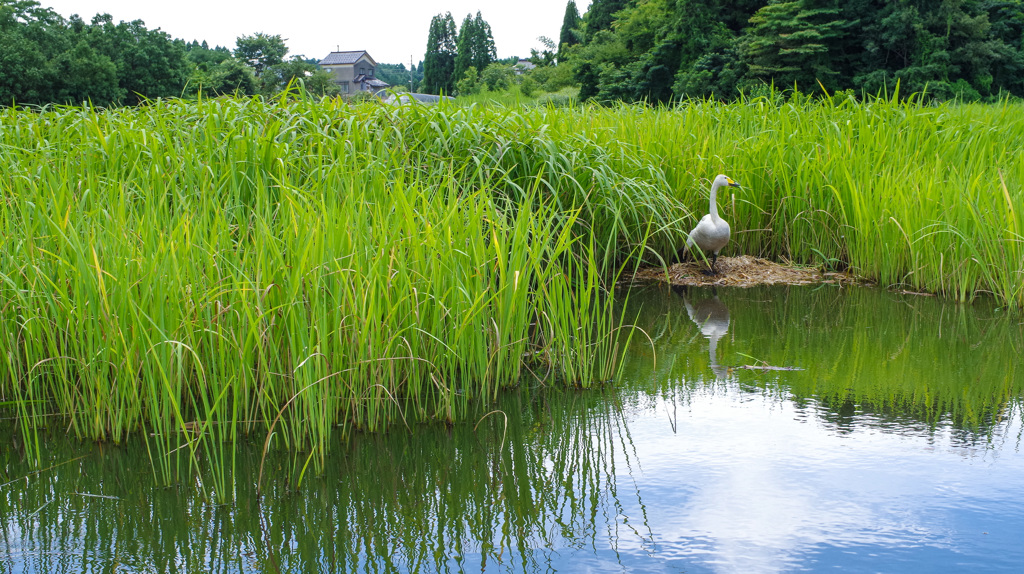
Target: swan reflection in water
712, 316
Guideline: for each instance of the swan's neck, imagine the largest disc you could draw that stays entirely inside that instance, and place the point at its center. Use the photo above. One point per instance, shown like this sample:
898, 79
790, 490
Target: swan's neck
713, 210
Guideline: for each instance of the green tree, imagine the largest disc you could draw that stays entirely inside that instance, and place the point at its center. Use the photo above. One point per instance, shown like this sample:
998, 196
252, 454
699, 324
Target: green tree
260, 51
601, 15
497, 77
1007, 25
232, 76
474, 46
29, 36
707, 33
87, 77
795, 43
528, 86
546, 57
321, 83
598, 63
570, 33
469, 84
554, 78
397, 75
715, 74
296, 68
464, 49
202, 60
647, 32
954, 48
149, 63
651, 51
204, 57
484, 50
439, 63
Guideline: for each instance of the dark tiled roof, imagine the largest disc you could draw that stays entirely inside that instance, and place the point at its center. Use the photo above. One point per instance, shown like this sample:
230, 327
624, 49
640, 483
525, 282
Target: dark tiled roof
344, 57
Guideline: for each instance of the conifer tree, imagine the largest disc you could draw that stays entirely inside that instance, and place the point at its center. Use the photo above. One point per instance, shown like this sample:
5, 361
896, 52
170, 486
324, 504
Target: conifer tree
602, 14
475, 45
569, 36
439, 63
484, 50
795, 43
464, 48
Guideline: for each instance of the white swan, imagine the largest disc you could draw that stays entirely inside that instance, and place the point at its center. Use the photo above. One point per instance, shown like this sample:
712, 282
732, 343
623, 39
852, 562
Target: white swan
712, 232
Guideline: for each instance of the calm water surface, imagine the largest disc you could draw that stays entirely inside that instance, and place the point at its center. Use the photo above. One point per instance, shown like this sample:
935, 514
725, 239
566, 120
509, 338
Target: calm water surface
896, 447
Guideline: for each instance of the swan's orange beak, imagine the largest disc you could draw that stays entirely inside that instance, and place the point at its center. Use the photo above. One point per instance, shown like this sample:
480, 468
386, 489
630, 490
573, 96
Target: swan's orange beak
731, 182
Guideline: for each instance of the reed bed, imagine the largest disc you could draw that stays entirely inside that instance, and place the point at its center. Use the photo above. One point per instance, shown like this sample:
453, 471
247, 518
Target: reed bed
927, 197
206, 270
290, 267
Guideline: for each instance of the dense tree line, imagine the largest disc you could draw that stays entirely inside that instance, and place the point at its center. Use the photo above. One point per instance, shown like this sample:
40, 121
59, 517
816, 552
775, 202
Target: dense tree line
45, 58
398, 75
658, 50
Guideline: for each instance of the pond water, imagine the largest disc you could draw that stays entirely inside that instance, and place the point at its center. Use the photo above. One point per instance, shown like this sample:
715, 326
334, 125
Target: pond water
896, 447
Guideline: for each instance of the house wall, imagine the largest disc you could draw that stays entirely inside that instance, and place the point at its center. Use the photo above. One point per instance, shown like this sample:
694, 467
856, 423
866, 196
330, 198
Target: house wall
344, 74
364, 66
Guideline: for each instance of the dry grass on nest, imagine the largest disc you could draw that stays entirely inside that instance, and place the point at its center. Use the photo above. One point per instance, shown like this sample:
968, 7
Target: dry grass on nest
742, 271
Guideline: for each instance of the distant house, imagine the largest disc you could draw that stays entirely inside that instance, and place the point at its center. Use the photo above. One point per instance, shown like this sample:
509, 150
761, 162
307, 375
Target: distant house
354, 72
523, 66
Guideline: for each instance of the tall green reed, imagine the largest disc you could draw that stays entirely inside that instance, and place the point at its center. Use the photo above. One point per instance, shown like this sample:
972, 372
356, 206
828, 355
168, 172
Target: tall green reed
926, 197
294, 268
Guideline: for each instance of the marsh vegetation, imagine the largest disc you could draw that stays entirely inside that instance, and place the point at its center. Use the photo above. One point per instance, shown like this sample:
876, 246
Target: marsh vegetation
294, 269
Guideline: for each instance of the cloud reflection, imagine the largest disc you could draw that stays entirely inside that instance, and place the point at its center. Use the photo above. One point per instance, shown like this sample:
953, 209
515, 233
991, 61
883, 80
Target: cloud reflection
749, 486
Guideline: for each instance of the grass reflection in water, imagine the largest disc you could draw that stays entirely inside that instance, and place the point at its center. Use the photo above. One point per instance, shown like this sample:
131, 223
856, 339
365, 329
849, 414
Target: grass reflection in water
436, 499
906, 359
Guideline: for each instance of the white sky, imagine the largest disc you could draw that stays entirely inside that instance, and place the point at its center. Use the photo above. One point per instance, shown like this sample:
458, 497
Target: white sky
390, 30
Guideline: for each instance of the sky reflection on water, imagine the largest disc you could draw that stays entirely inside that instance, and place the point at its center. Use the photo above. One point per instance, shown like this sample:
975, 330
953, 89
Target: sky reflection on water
750, 484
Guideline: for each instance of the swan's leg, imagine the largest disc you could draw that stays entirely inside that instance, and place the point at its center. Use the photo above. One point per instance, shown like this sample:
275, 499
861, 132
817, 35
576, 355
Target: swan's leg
711, 269
714, 259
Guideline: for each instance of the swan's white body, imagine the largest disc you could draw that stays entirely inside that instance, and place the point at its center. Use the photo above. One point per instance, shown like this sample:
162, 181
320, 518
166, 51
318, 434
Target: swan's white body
712, 232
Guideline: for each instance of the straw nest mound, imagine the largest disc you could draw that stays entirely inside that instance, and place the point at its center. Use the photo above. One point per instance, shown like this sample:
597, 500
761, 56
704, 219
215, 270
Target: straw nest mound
743, 271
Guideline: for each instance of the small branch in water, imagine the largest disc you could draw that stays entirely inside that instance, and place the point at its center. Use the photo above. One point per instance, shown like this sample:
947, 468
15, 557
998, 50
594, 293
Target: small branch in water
44, 470
917, 293
40, 509
97, 496
768, 368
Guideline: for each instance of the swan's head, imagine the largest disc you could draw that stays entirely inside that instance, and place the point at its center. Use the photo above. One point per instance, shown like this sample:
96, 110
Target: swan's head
723, 180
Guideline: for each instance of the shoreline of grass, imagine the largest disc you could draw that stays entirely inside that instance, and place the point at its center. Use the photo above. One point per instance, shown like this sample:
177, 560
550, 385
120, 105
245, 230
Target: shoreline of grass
298, 267
321, 267
929, 197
